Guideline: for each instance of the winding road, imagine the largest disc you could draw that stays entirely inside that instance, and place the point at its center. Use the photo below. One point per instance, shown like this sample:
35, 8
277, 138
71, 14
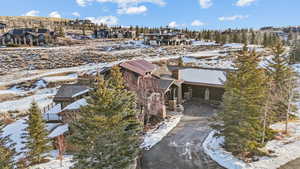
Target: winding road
182, 147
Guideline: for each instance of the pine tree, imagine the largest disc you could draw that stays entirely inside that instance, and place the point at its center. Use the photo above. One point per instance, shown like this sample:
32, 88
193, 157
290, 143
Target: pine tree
295, 52
244, 101
61, 32
266, 40
36, 144
180, 62
253, 37
116, 80
7, 150
282, 75
108, 135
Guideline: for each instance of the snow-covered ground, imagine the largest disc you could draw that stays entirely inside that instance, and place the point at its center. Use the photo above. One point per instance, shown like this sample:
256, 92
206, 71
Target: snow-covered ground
23, 76
285, 150
15, 131
207, 53
42, 97
70, 77
153, 137
54, 163
203, 43
213, 62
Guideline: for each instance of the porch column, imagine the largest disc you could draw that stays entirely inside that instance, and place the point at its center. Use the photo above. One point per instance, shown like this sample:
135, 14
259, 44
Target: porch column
179, 94
30, 41
25, 40
206, 97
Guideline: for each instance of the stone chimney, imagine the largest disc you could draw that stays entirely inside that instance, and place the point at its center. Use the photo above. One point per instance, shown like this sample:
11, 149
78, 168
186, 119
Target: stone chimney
176, 74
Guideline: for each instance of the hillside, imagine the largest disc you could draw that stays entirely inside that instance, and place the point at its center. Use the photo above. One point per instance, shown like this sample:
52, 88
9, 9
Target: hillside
30, 21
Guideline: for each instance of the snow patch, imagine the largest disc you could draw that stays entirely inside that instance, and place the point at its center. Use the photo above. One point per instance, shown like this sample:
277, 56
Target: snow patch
76, 105
60, 130
42, 98
155, 136
55, 163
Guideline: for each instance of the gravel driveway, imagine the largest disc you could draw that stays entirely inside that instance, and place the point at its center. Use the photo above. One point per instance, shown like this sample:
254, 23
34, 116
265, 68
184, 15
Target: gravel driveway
182, 148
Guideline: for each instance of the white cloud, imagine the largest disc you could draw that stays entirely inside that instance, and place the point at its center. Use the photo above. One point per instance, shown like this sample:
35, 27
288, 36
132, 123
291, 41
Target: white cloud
108, 20
82, 2
121, 2
77, 14
233, 18
125, 6
133, 10
173, 24
32, 13
197, 23
205, 3
242, 3
54, 14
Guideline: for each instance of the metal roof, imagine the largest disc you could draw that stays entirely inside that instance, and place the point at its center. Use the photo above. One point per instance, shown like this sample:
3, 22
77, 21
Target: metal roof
71, 90
138, 66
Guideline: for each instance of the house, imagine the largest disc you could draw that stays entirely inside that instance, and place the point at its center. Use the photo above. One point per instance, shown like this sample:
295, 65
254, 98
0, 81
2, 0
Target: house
70, 112
69, 93
101, 34
171, 38
2, 27
27, 36
197, 83
114, 33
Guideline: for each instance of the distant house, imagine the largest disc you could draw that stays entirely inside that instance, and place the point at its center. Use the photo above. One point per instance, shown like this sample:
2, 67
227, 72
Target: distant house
114, 33
70, 93
162, 39
27, 36
2, 26
102, 33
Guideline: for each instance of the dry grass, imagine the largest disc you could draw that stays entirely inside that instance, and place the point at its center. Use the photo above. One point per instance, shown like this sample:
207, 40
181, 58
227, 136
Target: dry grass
60, 74
6, 97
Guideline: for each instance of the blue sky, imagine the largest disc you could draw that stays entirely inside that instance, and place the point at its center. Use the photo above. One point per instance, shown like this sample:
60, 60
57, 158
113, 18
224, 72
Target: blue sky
194, 14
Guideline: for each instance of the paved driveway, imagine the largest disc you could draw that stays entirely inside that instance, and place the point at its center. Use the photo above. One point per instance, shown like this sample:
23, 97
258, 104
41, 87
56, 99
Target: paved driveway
292, 165
182, 148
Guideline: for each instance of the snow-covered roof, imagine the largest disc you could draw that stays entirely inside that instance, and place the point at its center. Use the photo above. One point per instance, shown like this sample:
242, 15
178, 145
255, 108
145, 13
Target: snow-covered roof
76, 105
81, 93
52, 114
54, 110
60, 130
203, 76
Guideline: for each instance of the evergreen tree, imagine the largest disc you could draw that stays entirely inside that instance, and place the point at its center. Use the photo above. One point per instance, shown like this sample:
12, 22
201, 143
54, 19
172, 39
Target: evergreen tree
253, 37
61, 32
108, 135
265, 40
244, 37
180, 62
282, 74
116, 80
36, 144
295, 52
244, 100
7, 150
